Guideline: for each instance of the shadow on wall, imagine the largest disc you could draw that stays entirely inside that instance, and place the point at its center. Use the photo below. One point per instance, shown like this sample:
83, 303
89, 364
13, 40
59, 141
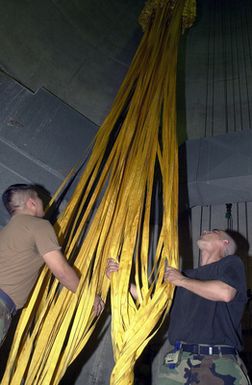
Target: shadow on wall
241, 242
185, 240
95, 363
43, 194
243, 252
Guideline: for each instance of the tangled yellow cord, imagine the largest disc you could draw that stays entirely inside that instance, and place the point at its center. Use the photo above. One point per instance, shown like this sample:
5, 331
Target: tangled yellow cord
131, 174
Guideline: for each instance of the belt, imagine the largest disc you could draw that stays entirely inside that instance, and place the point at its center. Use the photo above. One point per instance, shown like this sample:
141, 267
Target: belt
208, 349
8, 302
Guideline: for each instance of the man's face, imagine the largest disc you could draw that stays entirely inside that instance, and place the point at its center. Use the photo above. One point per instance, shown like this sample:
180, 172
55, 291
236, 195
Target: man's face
39, 207
211, 234
210, 240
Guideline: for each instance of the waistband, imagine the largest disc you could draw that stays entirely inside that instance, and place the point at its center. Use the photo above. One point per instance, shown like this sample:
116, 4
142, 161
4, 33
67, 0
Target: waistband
8, 302
208, 349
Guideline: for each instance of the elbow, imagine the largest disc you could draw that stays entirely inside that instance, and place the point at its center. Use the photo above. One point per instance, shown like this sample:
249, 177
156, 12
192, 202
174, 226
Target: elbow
227, 299
229, 295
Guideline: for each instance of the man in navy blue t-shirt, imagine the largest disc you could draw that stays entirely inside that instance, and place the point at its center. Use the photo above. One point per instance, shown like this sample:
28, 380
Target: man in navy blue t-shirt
205, 322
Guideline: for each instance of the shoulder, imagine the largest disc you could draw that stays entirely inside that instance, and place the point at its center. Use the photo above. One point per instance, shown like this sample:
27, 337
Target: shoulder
231, 263
191, 273
42, 224
231, 260
35, 223
232, 271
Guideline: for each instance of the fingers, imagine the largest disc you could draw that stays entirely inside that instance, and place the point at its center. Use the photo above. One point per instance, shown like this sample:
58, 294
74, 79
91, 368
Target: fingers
166, 271
98, 305
112, 266
166, 274
170, 274
173, 276
133, 291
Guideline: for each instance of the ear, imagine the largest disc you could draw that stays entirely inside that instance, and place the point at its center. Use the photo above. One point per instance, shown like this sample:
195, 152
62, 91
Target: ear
226, 241
30, 203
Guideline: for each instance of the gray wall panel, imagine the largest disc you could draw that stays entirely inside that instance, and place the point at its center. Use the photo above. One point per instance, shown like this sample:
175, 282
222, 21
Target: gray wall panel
41, 138
79, 50
218, 169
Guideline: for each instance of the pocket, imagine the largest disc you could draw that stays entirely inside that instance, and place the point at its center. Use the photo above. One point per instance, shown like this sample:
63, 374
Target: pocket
232, 366
176, 375
243, 368
5, 320
4, 326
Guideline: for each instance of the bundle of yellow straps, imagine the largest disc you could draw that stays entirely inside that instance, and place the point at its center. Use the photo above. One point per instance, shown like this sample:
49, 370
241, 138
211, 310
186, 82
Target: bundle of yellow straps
125, 207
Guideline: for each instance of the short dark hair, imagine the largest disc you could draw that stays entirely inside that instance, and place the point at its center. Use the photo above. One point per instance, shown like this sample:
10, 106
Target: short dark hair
11, 191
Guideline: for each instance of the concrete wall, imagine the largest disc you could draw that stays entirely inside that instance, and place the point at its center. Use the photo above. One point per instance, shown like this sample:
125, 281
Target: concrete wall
41, 138
216, 70
78, 50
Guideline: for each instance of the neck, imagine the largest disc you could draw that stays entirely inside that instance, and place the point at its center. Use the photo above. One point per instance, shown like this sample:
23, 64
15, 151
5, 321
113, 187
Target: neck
23, 211
206, 257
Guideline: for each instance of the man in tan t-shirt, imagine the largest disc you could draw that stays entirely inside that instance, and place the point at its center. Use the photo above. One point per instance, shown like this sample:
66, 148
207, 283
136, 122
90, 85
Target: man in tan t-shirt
26, 243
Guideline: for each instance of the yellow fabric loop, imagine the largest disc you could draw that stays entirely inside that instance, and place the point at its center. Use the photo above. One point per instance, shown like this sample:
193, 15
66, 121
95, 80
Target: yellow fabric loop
132, 173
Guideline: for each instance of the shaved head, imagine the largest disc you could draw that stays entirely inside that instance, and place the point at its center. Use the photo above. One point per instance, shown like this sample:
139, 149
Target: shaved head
230, 246
15, 197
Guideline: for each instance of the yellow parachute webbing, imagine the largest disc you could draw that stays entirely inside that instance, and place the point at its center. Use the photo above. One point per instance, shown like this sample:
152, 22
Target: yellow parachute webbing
111, 215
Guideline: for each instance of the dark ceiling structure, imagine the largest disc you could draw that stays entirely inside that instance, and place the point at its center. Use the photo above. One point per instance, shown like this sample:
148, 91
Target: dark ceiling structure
78, 52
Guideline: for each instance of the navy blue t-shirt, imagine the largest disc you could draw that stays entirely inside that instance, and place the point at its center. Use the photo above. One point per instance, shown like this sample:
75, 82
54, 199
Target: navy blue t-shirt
197, 320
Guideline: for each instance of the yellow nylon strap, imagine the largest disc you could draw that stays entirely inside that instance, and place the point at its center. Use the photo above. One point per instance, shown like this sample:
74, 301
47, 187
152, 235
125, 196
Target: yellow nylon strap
110, 215
155, 141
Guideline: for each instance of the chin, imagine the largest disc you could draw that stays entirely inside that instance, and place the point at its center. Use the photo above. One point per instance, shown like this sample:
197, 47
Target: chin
199, 242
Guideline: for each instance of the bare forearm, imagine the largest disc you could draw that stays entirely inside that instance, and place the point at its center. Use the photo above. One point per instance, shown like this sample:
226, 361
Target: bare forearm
212, 290
68, 278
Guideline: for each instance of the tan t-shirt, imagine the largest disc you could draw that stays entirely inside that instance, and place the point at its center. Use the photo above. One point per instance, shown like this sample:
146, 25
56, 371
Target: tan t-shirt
23, 242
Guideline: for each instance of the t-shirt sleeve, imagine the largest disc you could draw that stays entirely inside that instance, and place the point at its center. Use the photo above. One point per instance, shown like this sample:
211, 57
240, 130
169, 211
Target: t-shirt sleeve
232, 272
45, 237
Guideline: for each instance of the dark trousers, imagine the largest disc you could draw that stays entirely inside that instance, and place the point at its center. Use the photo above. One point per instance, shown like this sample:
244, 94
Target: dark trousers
5, 348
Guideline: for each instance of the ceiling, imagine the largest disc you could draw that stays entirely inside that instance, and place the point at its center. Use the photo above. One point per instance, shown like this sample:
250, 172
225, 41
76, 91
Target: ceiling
78, 50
